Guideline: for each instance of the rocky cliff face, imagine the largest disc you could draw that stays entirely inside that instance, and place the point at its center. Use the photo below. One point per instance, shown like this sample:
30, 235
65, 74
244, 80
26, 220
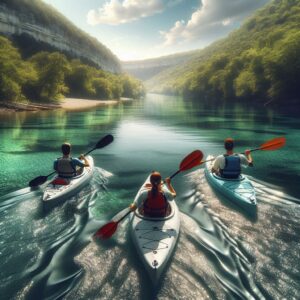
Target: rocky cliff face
146, 69
18, 25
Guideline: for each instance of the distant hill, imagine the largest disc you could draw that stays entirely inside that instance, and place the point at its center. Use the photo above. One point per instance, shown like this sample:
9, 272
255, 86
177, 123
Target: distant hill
35, 26
145, 69
258, 62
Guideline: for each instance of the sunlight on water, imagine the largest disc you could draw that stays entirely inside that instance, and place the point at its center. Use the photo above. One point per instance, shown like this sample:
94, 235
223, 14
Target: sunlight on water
223, 251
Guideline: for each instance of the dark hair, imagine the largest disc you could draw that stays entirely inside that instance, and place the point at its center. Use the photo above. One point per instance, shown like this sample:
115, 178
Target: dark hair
228, 144
66, 148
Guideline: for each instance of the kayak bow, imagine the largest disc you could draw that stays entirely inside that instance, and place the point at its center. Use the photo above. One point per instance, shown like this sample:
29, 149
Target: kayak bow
155, 238
240, 191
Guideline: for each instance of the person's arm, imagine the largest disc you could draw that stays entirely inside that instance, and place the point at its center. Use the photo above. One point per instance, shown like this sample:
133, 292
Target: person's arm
216, 166
86, 162
249, 158
55, 165
170, 187
138, 201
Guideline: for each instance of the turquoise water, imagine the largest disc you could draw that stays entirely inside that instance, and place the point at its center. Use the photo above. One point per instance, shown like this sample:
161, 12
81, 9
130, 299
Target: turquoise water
222, 253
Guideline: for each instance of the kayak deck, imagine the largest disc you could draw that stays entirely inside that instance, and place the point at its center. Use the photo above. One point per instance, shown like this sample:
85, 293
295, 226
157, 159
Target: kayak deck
241, 191
56, 192
155, 239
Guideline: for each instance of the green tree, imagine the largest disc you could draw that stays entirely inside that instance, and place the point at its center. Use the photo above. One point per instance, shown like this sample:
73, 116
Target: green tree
14, 72
51, 69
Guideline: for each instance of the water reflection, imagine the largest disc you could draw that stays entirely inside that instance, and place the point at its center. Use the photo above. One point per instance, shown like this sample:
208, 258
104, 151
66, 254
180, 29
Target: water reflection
157, 130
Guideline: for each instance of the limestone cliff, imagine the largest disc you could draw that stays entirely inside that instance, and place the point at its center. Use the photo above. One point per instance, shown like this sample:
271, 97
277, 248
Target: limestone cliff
43, 28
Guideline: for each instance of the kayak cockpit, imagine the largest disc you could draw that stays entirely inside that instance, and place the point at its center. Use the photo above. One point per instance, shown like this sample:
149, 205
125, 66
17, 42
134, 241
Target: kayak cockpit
170, 213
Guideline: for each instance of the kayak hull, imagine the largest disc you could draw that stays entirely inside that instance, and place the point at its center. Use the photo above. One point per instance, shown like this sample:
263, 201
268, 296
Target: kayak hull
55, 193
240, 191
155, 239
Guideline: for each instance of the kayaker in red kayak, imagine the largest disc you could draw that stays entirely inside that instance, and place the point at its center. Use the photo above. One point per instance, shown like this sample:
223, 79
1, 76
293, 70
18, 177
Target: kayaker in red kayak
229, 165
68, 167
154, 202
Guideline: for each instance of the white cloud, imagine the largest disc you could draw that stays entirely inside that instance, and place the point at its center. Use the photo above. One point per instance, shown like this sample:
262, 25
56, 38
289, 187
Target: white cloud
213, 18
123, 11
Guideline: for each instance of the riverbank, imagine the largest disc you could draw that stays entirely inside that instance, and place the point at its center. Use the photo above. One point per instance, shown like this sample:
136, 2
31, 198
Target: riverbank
66, 104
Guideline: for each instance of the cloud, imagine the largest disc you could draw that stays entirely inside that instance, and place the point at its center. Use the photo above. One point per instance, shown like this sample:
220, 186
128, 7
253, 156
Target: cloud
124, 11
212, 19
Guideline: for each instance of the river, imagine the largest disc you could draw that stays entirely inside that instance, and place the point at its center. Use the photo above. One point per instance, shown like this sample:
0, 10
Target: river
222, 252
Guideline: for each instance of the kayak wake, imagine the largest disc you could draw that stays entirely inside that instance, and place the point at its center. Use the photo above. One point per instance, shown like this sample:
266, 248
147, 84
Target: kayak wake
37, 246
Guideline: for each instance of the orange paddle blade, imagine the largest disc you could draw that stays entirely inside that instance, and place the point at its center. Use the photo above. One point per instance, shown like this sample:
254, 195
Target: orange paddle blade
106, 231
192, 160
273, 144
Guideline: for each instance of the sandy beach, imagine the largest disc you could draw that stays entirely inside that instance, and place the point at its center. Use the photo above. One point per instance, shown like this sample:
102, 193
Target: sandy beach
66, 104
78, 104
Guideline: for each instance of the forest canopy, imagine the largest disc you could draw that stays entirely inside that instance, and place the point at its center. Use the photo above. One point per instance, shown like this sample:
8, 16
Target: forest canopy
258, 62
48, 77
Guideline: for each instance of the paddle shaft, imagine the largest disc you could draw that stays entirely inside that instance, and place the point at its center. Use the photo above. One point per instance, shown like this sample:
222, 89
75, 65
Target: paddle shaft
263, 148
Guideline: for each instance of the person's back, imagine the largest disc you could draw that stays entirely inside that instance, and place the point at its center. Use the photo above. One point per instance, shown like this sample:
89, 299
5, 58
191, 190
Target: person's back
154, 203
229, 165
232, 168
66, 166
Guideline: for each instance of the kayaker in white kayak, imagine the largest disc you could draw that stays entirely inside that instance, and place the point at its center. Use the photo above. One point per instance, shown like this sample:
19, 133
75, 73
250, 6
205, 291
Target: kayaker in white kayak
68, 167
229, 165
154, 202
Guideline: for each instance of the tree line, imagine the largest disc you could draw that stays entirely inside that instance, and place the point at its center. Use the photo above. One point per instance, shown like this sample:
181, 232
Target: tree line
258, 62
48, 77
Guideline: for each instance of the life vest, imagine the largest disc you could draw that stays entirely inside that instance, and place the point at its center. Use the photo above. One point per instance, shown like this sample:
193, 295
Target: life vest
232, 167
65, 168
155, 206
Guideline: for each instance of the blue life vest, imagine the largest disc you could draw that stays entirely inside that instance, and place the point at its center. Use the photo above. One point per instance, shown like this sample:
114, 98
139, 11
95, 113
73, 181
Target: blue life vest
232, 167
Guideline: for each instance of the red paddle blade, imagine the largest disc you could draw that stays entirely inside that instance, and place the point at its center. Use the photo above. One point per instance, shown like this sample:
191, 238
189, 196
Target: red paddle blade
106, 231
192, 160
273, 144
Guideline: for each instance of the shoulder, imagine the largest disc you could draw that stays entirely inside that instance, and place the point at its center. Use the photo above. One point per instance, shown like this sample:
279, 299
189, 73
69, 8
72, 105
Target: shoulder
241, 156
220, 157
77, 161
167, 193
144, 193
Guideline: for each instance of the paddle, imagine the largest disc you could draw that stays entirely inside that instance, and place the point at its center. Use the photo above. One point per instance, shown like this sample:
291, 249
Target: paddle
270, 145
190, 161
101, 144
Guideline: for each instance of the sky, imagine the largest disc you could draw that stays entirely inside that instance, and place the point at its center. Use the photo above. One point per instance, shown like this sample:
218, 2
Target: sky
141, 29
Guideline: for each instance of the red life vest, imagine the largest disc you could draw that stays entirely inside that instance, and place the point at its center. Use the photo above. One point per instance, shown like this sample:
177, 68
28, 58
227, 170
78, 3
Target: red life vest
155, 206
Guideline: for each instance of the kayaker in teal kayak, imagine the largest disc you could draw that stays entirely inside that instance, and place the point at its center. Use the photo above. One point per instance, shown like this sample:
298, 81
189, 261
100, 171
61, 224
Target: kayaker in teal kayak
229, 165
154, 202
66, 166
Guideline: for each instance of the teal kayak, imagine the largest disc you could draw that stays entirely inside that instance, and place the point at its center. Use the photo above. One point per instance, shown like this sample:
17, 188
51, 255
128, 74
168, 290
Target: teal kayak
240, 191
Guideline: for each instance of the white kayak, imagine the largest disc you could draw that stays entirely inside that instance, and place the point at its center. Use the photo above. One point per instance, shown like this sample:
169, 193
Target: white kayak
155, 238
240, 191
55, 192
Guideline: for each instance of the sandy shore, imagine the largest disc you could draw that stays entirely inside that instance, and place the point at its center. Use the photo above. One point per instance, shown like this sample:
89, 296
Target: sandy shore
66, 104
78, 104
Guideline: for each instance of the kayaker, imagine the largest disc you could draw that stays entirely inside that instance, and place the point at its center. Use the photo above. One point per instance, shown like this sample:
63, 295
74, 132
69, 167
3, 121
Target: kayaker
154, 202
68, 167
229, 165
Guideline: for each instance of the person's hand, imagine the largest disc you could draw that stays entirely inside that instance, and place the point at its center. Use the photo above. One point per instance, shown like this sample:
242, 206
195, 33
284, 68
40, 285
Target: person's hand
132, 207
168, 180
81, 157
247, 152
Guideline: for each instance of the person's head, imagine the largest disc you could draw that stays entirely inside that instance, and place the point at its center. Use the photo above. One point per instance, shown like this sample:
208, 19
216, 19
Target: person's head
229, 144
155, 179
66, 148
